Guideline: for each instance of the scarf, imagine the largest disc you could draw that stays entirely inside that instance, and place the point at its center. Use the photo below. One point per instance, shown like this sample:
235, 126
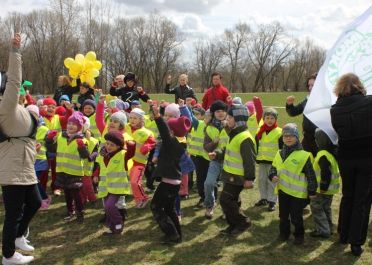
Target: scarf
265, 128
217, 123
287, 150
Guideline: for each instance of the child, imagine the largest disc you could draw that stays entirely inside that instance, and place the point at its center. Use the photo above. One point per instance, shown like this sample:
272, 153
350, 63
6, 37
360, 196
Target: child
89, 110
215, 140
255, 114
113, 180
144, 141
328, 178
293, 171
238, 169
168, 167
86, 92
71, 151
269, 141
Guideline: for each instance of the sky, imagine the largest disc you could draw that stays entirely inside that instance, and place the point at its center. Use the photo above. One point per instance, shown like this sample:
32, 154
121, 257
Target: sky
321, 20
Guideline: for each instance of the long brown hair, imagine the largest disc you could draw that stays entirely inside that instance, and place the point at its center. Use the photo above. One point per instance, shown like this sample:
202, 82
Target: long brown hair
349, 84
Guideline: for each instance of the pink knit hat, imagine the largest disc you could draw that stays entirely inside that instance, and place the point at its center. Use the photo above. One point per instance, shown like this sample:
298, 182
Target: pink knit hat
33, 108
180, 126
173, 110
77, 119
250, 107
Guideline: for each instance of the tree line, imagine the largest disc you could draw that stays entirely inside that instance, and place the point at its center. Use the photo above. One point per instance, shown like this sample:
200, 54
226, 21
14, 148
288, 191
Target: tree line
250, 58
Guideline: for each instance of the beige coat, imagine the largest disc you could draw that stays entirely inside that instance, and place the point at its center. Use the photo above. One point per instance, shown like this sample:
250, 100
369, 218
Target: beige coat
17, 156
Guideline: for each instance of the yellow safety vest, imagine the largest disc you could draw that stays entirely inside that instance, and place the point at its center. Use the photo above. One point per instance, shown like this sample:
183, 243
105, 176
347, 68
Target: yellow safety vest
40, 138
233, 161
151, 125
53, 124
268, 146
291, 179
88, 166
113, 178
93, 126
140, 136
195, 141
334, 186
214, 133
253, 125
68, 158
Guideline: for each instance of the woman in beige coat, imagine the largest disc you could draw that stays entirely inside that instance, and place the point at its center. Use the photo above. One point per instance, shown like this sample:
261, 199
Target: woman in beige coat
17, 154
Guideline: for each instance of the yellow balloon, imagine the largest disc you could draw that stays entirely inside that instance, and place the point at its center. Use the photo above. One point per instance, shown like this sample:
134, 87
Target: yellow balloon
68, 62
79, 58
94, 72
73, 74
89, 65
91, 82
76, 67
90, 56
97, 65
83, 78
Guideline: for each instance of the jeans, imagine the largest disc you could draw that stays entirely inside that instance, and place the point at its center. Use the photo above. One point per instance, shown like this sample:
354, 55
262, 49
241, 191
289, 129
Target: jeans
210, 183
20, 203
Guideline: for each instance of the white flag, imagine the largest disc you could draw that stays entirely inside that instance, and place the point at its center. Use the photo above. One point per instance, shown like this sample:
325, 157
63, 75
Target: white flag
352, 53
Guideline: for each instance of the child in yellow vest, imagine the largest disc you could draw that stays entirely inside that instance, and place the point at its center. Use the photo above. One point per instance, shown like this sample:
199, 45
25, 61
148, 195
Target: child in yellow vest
113, 180
292, 169
268, 142
71, 149
144, 141
328, 178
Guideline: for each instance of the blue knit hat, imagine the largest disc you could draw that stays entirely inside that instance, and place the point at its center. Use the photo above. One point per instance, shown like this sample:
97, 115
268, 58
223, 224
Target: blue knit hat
290, 129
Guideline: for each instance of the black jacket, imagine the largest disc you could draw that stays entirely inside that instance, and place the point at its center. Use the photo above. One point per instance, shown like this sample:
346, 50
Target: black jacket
170, 153
352, 121
83, 97
180, 92
128, 94
66, 90
307, 126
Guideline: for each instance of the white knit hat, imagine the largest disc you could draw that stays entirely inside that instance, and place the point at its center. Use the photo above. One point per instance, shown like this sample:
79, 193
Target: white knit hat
139, 112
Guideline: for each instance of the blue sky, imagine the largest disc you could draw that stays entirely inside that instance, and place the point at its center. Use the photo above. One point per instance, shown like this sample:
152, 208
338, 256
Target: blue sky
321, 20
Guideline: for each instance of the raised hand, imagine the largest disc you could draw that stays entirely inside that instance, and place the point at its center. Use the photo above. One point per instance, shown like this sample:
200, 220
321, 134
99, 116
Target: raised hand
16, 41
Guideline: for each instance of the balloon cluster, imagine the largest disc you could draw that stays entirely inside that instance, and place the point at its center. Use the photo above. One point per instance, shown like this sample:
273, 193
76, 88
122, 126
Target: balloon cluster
84, 67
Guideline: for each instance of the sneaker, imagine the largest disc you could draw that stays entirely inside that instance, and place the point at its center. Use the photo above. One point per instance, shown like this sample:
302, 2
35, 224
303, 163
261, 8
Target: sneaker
22, 244
271, 206
57, 192
227, 231
17, 258
44, 205
69, 217
209, 213
261, 202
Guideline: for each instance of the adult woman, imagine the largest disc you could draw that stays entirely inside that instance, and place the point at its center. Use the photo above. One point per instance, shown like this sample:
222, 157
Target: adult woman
182, 90
65, 88
17, 155
351, 119
308, 128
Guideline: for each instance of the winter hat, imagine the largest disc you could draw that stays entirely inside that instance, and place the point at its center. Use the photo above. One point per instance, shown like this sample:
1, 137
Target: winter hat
290, 129
201, 111
116, 137
240, 114
60, 110
120, 117
173, 110
180, 126
89, 102
119, 104
135, 103
237, 101
49, 101
86, 125
34, 109
138, 112
322, 139
250, 107
270, 111
218, 105
40, 102
77, 119
129, 77
63, 97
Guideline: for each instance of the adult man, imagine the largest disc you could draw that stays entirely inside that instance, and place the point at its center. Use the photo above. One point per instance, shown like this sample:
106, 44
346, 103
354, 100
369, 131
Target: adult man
216, 92
17, 155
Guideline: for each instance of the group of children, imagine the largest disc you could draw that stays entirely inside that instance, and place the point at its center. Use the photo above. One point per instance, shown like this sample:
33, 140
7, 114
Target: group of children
102, 150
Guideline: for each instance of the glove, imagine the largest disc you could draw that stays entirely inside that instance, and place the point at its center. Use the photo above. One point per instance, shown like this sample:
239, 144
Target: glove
52, 134
80, 143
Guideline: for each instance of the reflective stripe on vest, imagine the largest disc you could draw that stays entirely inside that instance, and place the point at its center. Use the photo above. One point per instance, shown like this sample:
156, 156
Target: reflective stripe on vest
54, 124
334, 186
196, 141
113, 178
214, 133
68, 158
268, 145
291, 179
233, 161
93, 126
88, 166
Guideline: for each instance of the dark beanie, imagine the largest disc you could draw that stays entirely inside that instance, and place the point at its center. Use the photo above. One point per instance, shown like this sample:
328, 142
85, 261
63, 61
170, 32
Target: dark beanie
116, 137
129, 77
240, 114
218, 105
89, 102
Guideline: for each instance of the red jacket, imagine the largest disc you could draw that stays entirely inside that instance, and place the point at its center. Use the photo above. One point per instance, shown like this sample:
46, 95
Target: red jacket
215, 93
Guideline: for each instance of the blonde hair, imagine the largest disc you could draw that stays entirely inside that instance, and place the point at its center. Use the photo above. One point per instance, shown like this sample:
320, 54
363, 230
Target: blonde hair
349, 84
66, 80
184, 76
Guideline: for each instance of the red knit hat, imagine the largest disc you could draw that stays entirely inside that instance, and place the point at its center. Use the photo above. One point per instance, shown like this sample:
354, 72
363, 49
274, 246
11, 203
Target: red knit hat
180, 126
49, 101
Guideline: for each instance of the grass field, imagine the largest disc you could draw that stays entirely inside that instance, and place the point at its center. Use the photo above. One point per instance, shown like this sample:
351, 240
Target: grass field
60, 243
